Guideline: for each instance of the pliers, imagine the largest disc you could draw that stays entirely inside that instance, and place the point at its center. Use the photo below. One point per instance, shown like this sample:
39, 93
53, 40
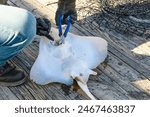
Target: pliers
61, 34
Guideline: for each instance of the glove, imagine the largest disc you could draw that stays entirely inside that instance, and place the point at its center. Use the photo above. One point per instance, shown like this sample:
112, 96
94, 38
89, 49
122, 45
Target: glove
43, 27
66, 8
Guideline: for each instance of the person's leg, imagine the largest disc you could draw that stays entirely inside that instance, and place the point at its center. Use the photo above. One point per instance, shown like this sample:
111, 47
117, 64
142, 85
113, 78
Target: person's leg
17, 29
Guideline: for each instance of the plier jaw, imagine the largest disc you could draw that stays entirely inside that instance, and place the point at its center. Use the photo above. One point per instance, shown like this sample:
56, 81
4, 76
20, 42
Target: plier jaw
61, 34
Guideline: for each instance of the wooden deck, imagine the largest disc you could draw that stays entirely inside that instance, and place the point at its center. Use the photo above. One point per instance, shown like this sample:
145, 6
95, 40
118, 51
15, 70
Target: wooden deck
125, 74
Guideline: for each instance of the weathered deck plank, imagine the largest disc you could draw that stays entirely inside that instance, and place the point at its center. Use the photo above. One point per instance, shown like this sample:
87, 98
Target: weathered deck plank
6, 94
121, 77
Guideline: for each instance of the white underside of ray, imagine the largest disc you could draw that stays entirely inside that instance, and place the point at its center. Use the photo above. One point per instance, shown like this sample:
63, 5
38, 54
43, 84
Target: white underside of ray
74, 59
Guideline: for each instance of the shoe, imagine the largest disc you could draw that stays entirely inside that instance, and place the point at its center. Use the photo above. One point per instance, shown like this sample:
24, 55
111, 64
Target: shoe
10, 76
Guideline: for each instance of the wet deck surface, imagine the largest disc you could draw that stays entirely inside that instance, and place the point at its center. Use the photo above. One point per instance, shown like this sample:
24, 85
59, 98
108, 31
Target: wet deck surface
124, 75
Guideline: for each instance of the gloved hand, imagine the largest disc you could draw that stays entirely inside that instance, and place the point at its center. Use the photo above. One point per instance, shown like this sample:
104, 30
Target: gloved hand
66, 8
43, 27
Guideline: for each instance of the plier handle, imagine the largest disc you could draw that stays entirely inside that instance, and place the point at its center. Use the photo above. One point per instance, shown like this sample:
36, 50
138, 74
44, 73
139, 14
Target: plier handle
61, 34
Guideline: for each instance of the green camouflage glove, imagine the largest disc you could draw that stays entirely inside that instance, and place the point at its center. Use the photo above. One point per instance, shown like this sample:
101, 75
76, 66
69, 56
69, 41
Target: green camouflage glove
66, 8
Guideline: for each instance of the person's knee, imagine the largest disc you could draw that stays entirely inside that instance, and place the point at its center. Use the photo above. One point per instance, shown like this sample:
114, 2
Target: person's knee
30, 24
17, 31
29, 29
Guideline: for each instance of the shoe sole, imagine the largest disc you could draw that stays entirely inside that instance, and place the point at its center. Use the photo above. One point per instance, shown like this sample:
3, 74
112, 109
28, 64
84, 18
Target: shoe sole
13, 84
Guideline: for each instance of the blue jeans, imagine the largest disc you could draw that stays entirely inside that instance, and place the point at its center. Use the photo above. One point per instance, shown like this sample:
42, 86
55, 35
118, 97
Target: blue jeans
17, 30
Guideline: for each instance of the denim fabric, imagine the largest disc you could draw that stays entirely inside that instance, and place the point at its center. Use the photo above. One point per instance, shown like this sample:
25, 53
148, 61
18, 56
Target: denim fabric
17, 30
